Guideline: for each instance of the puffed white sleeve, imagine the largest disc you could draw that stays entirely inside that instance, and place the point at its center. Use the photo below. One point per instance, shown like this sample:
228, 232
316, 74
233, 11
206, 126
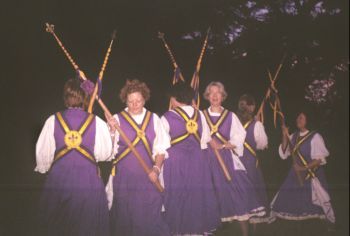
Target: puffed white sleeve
165, 125
319, 150
284, 154
237, 135
45, 146
103, 141
260, 136
162, 140
206, 138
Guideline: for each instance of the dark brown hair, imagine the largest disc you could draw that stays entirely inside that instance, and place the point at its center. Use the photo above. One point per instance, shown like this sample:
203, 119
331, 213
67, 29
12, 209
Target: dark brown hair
249, 99
133, 86
73, 94
182, 92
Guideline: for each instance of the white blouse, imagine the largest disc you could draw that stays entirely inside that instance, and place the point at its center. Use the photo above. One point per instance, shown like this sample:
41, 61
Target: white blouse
237, 132
318, 148
46, 144
161, 142
260, 136
205, 139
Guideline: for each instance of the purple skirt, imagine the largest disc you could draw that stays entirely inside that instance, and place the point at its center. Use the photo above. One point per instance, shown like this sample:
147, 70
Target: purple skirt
294, 202
137, 204
74, 201
237, 198
256, 177
190, 202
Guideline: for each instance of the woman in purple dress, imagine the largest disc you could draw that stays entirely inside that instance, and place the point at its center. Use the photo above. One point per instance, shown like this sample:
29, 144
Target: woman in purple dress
237, 197
190, 204
134, 202
304, 193
71, 143
256, 140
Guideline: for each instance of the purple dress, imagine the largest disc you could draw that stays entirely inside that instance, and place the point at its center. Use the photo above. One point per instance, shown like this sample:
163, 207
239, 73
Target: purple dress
251, 163
190, 203
294, 202
136, 208
237, 198
74, 201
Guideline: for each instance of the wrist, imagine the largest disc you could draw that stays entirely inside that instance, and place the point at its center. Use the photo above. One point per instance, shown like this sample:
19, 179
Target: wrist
156, 169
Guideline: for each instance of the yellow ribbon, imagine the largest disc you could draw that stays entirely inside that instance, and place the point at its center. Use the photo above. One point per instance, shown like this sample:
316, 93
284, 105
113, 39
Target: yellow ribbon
80, 132
188, 121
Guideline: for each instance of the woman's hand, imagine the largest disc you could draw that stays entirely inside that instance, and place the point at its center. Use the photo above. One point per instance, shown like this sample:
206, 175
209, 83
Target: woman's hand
215, 145
153, 176
299, 168
229, 146
111, 121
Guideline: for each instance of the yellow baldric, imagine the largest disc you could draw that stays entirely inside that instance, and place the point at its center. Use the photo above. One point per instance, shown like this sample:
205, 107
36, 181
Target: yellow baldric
249, 147
73, 138
191, 126
140, 137
296, 151
214, 128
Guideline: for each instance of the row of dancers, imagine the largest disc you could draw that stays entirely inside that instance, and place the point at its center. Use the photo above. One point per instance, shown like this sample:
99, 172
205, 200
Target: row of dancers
206, 161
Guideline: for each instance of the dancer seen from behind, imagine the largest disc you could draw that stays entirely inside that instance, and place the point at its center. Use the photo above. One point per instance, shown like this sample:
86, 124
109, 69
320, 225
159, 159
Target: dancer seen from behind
72, 141
255, 141
190, 202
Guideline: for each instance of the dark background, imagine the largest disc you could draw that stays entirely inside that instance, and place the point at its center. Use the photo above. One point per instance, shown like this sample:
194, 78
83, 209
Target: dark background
34, 70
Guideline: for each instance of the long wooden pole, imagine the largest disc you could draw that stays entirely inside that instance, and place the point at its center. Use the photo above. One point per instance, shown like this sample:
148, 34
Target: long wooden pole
271, 88
171, 55
222, 165
195, 78
100, 75
283, 124
108, 113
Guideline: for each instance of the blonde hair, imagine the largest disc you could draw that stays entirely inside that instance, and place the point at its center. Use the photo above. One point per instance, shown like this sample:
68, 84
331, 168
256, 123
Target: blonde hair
217, 84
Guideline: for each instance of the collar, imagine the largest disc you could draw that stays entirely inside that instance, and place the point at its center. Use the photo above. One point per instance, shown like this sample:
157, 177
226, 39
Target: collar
211, 113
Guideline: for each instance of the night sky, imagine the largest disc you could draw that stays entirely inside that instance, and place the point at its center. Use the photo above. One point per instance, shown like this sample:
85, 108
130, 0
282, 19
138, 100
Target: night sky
34, 70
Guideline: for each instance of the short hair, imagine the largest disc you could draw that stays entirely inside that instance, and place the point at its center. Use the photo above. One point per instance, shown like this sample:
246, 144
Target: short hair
249, 99
217, 84
73, 94
182, 92
134, 86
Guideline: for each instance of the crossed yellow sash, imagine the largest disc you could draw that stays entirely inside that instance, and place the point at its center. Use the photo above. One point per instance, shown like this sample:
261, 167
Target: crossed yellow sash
214, 128
191, 126
140, 137
296, 151
73, 138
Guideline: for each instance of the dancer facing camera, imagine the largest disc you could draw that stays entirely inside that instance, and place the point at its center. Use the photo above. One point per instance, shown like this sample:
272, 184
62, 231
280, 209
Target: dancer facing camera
304, 193
134, 201
237, 197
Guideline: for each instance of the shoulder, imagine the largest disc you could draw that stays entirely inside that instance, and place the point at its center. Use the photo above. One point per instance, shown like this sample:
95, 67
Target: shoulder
168, 113
233, 115
51, 118
258, 124
316, 136
155, 116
